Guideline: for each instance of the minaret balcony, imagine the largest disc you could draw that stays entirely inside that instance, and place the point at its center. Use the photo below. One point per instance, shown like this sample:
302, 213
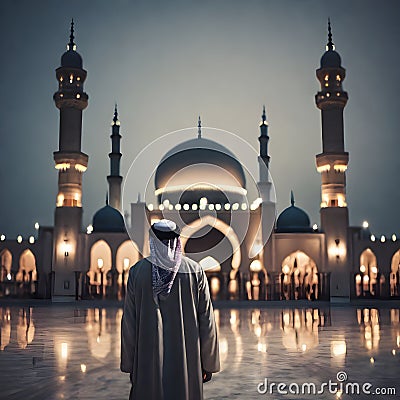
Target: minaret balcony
67, 159
337, 161
72, 99
331, 99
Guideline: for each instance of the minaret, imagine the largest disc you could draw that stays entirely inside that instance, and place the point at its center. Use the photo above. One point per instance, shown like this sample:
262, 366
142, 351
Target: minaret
332, 164
114, 179
264, 184
71, 162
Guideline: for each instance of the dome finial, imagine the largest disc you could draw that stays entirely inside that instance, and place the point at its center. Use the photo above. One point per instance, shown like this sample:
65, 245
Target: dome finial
199, 128
330, 45
292, 197
71, 44
106, 198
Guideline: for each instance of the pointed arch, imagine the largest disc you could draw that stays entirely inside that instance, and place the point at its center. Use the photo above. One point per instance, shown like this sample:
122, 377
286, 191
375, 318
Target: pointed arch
27, 266
395, 274
299, 278
368, 279
100, 260
190, 229
5, 264
127, 256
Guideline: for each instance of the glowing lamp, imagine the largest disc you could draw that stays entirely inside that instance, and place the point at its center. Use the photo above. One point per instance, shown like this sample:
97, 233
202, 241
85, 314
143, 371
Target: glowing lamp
256, 266
286, 269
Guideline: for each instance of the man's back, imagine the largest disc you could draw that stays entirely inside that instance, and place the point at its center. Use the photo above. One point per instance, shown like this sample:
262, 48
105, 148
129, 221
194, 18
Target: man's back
168, 340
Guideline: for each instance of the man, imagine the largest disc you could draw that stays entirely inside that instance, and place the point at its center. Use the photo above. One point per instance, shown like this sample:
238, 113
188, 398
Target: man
168, 339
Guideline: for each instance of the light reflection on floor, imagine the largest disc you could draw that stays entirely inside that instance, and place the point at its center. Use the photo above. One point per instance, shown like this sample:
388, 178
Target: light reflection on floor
57, 352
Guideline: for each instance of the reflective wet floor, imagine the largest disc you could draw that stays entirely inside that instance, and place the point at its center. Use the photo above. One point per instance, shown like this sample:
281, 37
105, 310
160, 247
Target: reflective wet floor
64, 352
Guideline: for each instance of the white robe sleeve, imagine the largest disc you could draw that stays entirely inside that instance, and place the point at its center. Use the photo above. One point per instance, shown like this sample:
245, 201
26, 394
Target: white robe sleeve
128, 329
209, 349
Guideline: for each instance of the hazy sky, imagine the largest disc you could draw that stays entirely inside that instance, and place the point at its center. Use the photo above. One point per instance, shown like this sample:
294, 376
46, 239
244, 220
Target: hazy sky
166, 62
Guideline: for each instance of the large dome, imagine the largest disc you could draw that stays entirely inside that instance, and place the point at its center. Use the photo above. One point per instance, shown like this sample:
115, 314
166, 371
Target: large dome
108, 219
200, 168
293, 220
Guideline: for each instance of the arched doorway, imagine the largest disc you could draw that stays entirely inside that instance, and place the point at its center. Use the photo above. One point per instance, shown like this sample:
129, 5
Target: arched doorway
100, 264
27, 267
27, 273
5, 265
127, 256
209, 236
213, 270
299, 277
368, 281
395, 275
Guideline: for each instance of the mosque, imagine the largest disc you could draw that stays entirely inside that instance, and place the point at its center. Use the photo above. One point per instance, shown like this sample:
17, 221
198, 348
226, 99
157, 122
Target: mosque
247, 252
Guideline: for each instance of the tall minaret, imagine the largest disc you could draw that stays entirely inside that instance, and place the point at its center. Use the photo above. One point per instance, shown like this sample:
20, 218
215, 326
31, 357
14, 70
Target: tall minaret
332, 164
71, 162
264, 183
114, 179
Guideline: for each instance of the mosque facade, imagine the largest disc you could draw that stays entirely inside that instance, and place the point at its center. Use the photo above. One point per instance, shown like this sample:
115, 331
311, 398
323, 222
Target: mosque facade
247, 252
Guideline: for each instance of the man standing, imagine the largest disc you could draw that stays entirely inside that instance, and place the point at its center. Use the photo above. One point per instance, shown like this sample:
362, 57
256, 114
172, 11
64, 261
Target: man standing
168, 339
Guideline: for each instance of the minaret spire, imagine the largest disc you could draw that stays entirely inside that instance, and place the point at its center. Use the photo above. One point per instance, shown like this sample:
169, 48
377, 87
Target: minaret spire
199, 128
114, 179
264, 184
264, 117
71, 44
330, 45
115, 119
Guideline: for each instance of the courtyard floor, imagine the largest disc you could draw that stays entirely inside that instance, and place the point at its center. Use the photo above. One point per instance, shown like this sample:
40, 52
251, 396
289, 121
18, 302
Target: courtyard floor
72, 351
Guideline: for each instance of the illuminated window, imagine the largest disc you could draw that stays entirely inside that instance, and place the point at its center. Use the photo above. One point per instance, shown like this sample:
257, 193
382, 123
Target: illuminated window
78, 96
71, 78
338, 78
61, 78
78, 78
328, 94
338, 94
326, 77
326, 84
61, 95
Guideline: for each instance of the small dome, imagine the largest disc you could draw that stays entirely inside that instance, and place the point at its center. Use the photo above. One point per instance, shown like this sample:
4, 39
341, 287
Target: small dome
293, 220
331, 59
108, 219
71, 59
